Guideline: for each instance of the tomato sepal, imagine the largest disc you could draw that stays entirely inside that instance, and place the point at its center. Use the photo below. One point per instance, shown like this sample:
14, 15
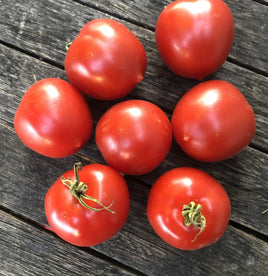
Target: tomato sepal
78, 189
192, 216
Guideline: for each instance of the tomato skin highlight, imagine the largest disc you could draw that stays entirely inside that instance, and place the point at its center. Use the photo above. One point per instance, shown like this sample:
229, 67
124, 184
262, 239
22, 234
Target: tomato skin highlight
53, 118
134, 136
213, 121
194, 37
78, 225
106, 61
178, 187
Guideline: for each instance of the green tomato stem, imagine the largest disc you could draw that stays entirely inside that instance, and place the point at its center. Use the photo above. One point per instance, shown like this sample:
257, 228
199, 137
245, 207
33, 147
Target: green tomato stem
78, 189
193, 216
265, 211
67, 46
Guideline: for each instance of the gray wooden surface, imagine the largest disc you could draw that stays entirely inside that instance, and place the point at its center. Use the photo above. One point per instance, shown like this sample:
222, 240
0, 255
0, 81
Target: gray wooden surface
33, 35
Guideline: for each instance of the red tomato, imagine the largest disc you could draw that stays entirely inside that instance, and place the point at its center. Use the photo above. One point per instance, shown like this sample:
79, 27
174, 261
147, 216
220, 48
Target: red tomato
194, 37
188, 208
213, 121
93, 209
106, 61
134, 136
53, 118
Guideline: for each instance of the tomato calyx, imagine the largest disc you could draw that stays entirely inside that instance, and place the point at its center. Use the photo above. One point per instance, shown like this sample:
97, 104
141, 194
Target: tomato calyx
78, 189
193, 216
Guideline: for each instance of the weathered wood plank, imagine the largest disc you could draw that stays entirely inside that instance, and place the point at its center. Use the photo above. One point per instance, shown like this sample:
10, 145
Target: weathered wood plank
245, 174
37, 28
23, 189
24, 24
27, 250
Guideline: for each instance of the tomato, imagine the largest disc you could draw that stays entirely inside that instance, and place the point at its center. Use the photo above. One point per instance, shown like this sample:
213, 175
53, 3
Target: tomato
194, 37
213, 121
89, 206
188, 208
53, 118
106, 61
134, 136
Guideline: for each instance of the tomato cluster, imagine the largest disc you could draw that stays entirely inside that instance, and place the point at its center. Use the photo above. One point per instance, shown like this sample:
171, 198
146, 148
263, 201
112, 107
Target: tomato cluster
212, 122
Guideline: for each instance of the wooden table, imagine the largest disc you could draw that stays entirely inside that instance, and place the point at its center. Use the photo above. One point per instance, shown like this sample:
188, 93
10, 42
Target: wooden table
33, 35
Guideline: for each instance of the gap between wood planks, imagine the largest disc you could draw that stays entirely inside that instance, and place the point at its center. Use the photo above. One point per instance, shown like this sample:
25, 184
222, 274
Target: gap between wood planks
33, 55
113, 14
137, 23
60, 66
89, 250
249, 231
248, 67
234, 224
92, 251
150, 28
263, 2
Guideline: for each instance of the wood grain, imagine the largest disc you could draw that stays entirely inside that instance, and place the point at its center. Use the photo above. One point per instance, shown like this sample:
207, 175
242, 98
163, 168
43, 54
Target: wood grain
249, 41
28, 250
243, 173
36, 24
33, 35
137, 237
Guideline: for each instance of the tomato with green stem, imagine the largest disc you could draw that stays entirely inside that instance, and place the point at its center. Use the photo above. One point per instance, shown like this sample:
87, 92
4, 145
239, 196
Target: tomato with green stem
89, 205
188, 208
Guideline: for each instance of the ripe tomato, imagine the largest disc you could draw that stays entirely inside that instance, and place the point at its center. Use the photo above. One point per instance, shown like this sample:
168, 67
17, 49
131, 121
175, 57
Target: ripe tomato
53, 118
194, 37
89, 206
134, 136
213, 121
106, 61
188, 208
